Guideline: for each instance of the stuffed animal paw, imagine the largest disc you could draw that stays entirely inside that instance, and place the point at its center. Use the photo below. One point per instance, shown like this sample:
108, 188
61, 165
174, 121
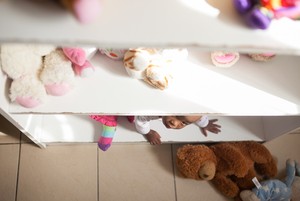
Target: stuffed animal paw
79, 56
57, 74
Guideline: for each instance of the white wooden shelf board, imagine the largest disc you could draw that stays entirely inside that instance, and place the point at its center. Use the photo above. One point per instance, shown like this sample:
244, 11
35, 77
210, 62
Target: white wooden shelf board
210, 24
247, 88
81, 128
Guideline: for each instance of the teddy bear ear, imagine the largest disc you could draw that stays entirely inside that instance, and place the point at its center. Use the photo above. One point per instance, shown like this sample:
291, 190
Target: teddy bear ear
182, 151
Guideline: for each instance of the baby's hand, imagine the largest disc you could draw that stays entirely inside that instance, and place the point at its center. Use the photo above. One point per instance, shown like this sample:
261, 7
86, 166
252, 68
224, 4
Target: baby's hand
153, 137
211, 127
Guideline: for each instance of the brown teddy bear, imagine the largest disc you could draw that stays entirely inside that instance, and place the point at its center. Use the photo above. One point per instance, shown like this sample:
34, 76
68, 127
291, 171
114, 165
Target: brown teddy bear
230, 166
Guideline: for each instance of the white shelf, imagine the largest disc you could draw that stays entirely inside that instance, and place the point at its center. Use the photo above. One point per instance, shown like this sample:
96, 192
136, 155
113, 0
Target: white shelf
62, 128
250, 94
131, 23
247, 88
81, 128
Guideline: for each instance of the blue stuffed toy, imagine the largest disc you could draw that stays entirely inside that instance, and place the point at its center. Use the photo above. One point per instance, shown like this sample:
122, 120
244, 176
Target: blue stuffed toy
274, 189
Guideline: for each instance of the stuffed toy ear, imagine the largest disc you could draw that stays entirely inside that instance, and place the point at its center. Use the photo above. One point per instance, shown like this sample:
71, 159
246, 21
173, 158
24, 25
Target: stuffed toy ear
224, 59
85, 11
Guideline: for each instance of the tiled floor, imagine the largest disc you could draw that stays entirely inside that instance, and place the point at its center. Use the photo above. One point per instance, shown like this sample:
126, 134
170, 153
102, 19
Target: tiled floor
126, 172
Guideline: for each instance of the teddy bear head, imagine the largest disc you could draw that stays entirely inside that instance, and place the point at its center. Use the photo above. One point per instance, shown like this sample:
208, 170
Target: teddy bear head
196, 162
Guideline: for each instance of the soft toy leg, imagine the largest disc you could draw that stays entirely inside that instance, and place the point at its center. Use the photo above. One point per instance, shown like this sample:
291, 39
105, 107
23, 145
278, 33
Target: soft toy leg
57, 75
226, 186
246, 181
27, 91
249, 196
78, 56
85, 70
108, 130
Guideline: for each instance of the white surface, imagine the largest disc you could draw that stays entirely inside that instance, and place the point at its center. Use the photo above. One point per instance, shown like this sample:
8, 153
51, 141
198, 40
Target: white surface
80, 128
247, 88
276, 126
131, 23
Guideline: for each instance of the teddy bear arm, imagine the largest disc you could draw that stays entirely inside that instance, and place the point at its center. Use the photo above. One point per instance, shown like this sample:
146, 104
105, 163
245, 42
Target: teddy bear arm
246, 181
233, 159
225, 185
264, 163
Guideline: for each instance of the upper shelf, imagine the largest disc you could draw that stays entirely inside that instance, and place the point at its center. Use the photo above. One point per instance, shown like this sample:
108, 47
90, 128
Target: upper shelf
247, 88
206, 24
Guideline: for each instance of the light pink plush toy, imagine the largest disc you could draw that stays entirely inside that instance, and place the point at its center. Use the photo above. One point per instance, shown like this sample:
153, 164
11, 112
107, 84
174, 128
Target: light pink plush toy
80, 56
85, 11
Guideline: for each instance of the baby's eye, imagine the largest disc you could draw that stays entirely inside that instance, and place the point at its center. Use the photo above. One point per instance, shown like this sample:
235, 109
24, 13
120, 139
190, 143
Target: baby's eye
184, 123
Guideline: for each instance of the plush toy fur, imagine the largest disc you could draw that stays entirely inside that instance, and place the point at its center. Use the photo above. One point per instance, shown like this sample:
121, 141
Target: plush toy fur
261, 56
80, 56
36, 70
229, 165
154, 66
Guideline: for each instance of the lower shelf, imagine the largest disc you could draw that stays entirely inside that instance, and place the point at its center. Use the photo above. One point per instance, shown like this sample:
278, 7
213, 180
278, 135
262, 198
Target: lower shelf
80, 128
70, 128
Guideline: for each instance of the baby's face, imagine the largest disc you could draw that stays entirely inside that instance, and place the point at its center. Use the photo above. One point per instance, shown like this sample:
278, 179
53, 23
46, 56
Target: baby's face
178, 122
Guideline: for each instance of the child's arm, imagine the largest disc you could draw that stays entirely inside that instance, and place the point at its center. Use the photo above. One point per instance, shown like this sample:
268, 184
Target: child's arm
142, 125
208, 125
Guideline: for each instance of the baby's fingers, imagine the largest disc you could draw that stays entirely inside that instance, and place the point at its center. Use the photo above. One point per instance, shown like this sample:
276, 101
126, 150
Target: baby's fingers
156, 141
215, 130
203, 131
213, 120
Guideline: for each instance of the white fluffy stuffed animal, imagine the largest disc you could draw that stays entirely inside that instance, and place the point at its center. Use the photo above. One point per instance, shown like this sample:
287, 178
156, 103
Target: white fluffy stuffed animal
36, 70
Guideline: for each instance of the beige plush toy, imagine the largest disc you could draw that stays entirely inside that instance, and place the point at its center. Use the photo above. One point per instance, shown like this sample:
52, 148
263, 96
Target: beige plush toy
154, 66
36, 70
